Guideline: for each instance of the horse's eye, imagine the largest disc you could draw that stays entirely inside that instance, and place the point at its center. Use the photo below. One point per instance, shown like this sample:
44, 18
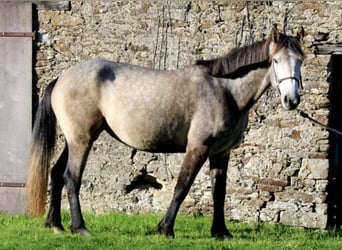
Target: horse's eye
275, 60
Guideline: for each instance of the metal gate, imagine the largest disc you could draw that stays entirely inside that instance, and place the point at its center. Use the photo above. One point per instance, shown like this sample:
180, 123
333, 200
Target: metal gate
15, 103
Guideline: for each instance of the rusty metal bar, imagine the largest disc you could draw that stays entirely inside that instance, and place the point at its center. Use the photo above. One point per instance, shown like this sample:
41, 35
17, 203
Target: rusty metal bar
13, 184
18, 34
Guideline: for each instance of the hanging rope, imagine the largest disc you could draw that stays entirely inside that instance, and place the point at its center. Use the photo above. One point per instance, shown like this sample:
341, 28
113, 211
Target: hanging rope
305, 115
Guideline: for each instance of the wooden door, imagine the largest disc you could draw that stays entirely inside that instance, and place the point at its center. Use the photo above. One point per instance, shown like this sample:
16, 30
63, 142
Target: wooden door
15, 103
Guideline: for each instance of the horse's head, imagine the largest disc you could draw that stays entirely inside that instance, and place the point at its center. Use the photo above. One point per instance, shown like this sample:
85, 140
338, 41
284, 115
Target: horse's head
286, 58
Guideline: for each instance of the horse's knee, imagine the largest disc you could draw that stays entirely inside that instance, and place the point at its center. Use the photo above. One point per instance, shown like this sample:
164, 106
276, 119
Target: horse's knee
69, 182
216, 172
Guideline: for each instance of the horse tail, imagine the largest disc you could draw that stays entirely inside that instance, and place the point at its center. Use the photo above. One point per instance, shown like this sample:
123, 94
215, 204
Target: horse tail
43, 142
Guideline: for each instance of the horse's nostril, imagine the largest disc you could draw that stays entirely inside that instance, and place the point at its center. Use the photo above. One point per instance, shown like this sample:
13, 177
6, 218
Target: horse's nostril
291, 104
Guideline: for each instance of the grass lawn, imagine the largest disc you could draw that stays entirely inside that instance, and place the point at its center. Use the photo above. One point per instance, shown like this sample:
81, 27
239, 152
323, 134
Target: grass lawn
120, 231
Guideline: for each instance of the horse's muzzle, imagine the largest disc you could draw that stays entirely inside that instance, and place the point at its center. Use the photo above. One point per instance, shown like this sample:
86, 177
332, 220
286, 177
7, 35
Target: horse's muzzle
290, 103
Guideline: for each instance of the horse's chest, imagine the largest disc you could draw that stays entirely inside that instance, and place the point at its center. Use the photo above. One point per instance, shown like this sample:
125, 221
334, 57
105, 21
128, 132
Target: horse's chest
230, 136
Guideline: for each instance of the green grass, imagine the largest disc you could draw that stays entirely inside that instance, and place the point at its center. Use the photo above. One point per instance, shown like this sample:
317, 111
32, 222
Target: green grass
119, 231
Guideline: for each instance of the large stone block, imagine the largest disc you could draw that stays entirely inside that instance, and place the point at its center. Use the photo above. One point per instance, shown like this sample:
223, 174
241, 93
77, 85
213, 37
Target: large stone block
309, 219
314, 169
294, 196
66, 20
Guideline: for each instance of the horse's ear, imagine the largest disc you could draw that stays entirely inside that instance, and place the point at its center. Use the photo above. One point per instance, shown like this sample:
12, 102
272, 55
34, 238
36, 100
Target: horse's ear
300, 34
275, 34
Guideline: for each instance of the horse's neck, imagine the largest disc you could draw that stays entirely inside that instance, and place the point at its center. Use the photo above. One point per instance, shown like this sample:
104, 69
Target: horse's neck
248, 89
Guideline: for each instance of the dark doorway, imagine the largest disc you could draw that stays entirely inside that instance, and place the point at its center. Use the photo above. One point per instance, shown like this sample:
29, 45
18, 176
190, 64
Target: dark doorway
335, 142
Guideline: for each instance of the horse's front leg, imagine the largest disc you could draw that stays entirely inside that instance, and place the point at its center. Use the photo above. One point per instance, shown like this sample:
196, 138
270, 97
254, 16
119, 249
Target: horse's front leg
193, 160
218, 174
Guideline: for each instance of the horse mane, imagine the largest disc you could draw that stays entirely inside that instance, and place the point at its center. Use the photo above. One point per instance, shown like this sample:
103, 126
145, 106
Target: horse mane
241, 60
237, 58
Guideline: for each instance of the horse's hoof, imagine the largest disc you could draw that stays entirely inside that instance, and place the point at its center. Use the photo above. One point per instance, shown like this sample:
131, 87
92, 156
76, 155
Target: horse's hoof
164, 230
81, 231
84, 232
222, 235
58, 228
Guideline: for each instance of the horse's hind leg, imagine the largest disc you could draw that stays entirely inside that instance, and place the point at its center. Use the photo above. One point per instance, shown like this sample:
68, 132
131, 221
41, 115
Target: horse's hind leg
80, 132
193, 160
218, 174
78, 154
54, 216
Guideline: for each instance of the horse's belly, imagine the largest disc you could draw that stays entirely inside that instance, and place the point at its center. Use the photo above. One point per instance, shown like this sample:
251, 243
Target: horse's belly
150, 136
153, 142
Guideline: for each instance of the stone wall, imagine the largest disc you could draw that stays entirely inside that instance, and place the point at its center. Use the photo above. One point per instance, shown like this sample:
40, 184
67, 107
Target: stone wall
280, 171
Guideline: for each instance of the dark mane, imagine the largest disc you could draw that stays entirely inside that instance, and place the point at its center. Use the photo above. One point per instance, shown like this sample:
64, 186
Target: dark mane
238, 58
242, 60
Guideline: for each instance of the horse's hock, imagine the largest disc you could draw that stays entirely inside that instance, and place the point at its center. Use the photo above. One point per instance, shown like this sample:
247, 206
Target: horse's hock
282, 171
